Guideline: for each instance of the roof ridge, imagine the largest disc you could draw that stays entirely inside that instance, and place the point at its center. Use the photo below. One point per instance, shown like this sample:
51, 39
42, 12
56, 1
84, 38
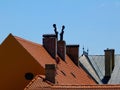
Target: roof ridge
91, 85
96, 55
19, 38
36, 77
104, 55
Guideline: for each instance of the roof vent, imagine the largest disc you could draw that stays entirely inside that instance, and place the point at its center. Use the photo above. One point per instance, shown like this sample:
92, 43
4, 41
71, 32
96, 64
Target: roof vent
73, 75
63, 73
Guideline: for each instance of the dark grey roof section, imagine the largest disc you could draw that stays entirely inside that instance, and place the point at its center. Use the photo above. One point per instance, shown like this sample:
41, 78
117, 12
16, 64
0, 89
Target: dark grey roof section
84, 61
96, 63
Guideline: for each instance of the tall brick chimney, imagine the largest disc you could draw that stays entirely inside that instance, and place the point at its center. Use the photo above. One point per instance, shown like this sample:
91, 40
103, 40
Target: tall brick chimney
61, 49
109, 63
73, 52
50, 72
50, 44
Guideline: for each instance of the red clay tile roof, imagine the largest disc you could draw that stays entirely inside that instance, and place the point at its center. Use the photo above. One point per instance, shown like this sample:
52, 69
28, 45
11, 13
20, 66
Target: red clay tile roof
37, 51
89, 87
38, 83
42, 84
67, 72
68, 75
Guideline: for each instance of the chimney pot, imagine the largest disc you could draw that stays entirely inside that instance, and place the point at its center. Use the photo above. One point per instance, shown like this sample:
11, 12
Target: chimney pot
73, 53
50, 72
109, 62
61, 49
50, 44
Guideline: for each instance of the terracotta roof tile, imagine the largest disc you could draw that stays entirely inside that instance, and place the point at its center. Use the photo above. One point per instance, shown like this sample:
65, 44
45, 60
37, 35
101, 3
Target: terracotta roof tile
37, 51
49, 86
88, 86
34, 83
67, 72
80, 77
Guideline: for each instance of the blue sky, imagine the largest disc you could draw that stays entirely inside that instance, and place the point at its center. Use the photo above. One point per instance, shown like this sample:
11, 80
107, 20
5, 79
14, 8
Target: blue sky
94, 24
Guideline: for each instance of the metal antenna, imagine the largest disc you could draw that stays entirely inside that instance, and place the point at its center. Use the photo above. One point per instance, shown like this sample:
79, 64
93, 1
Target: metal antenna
87, 50
55, 30
62, 32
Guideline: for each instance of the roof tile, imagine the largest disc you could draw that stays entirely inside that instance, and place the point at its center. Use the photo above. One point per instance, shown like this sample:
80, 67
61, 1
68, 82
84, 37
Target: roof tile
67, 67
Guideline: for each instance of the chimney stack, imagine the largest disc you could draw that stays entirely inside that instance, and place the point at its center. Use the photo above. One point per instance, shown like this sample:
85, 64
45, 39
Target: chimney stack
109, 63
73, 53
50, 72
50, 44
61, 49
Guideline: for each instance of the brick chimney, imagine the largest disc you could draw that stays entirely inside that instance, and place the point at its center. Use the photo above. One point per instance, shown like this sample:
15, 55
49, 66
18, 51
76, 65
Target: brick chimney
50, 44
61, 49
73, 52
50, 72
109, 63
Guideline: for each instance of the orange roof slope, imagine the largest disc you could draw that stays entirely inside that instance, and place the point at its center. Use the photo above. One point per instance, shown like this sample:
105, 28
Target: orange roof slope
42, 85
67, 72
34, 83
37, 51
86, 87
